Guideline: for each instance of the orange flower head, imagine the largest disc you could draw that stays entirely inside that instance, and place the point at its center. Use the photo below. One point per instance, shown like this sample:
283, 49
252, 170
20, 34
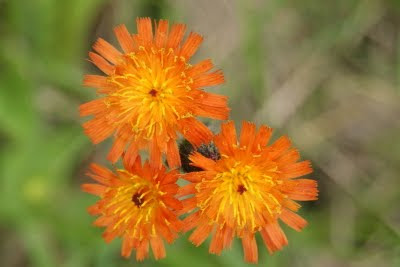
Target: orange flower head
246, 191
137, 204
151, 92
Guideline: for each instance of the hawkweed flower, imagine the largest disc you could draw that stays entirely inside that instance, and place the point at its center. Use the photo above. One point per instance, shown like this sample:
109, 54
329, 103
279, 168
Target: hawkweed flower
246, 191
138, 204
151, 92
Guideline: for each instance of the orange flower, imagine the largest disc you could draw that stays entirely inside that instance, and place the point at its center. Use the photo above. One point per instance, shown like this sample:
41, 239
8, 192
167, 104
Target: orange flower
246, 191
137, 204
151, 92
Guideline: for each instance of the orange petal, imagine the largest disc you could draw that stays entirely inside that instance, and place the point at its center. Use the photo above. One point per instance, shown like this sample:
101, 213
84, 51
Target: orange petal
169, 188
288, 158
99, 179
299, 185
293, 220
185, 190
103, 221
191, 221
262, 137
213, 100
97, 129
145, 32
101, 171
217, 241
279, 147
224, 148
200, 161
212, 112
158, 247
135, 39
195, 131
196, 177
304, 196
191, 45
200, 234
273, 237
124, 38
247, 134
143, 250
101, 63
170, 177
94, 189
161, 33
165, 231
155, 155
106, 50
250, 248
172, 202
94, 209
136, 167
95, 81
92, 107
296, 170
291, 205
127, 246
228, 132
212, 106
209, 79
189, 204
200, 68
117, 149
131, 154
109, 236
173, 157
176, 35
228, 236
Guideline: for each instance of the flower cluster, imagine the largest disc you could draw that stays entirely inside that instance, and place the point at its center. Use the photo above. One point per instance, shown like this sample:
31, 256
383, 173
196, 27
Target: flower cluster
150, 95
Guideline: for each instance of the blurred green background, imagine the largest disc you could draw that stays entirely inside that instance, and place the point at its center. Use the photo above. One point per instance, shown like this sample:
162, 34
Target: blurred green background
327, 73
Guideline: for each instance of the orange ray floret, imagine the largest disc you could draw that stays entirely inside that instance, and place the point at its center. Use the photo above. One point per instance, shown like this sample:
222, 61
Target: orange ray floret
151, 92
137, 204
246, 191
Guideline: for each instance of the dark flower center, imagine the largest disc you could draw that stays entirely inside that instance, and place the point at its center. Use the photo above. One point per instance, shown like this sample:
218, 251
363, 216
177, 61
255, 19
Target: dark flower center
241, 189
137, 200
153, 92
